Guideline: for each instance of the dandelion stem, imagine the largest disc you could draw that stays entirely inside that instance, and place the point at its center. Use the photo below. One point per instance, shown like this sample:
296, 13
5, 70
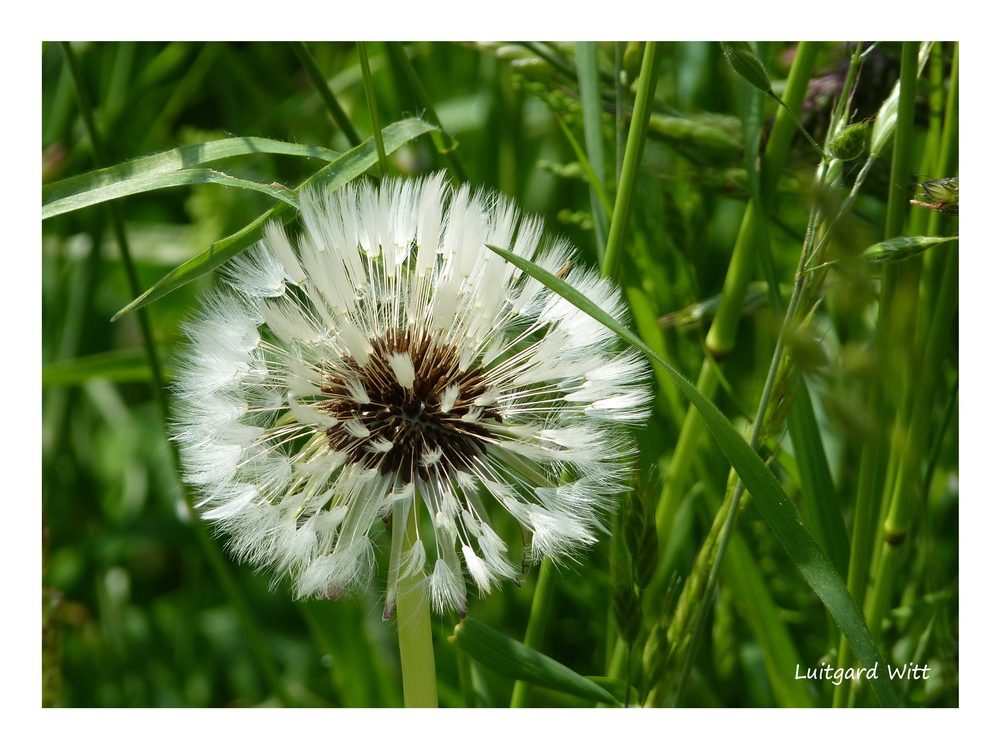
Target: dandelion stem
413, 621
540, 604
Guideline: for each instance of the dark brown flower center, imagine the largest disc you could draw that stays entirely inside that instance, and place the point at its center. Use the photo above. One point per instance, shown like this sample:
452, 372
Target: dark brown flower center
431, 425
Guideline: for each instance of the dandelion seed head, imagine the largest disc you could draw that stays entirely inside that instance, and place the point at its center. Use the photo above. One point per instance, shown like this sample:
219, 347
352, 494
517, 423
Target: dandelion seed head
386, 365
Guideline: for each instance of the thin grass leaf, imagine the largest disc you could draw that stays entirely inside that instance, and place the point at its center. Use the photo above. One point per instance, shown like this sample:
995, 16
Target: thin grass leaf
147, 183
511, 658
778, 651
92, 186
769, 497
601, 201
821, 511
348, 167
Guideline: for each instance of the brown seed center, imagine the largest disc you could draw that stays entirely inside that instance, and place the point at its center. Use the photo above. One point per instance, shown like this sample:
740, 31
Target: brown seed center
430, 426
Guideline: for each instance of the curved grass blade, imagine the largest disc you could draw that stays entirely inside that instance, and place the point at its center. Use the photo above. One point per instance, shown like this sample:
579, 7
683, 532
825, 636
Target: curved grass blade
511, 658
148, 182
90, 187
769, 497
347, 167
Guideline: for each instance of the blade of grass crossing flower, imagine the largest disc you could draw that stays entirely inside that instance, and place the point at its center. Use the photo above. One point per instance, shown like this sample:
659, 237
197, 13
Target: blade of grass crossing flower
145, 184
511, 658
250, 628
101, 184
347, 167
769, 497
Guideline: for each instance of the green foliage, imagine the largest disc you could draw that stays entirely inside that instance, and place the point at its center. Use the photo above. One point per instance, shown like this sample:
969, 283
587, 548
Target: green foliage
831, 392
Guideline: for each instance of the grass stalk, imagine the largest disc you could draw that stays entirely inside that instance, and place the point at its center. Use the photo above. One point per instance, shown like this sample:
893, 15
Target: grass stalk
646, 88
366, 77
319, 82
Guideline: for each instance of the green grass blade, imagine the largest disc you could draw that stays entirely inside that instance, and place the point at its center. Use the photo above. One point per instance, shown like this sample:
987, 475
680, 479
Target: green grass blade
778, 650
511, 658
770, 498
348, 167
323, 89
185, 157
819, 497
147, 183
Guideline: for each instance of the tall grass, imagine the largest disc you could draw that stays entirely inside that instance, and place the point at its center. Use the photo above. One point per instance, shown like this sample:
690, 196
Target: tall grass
796, 506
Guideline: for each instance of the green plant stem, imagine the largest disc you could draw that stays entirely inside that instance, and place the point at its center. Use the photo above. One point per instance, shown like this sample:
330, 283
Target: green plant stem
332, 105
366, 76
413, 622
646, 88
541, 603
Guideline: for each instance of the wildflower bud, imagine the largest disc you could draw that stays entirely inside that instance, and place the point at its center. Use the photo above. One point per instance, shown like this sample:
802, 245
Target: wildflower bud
901, 248
745, 62
939, 195
851, 142
632, 61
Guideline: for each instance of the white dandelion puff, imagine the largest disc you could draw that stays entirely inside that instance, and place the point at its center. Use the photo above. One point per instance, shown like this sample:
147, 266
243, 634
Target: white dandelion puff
386, 363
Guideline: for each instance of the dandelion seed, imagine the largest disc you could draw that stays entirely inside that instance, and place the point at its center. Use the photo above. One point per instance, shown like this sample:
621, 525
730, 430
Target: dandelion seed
386, 364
